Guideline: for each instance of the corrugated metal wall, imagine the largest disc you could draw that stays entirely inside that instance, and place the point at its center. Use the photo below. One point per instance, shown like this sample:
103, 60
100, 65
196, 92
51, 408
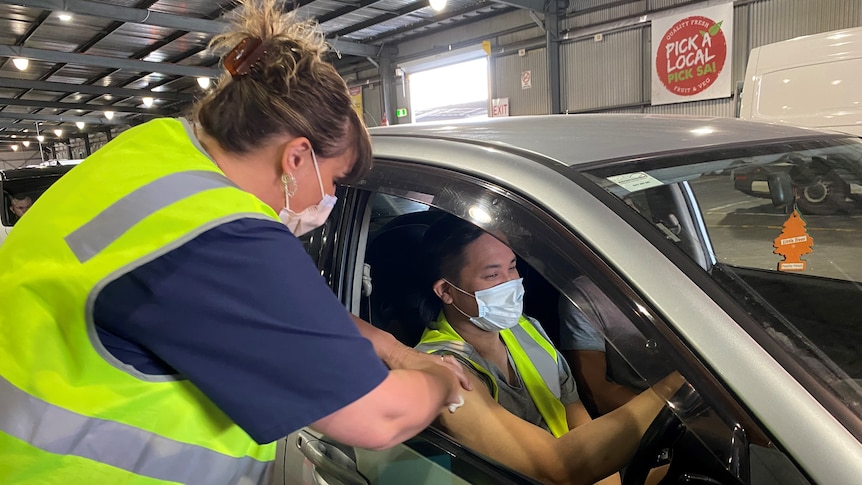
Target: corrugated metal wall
601, 74
506, 82
660, 4
774, 20
584, 13
372, 104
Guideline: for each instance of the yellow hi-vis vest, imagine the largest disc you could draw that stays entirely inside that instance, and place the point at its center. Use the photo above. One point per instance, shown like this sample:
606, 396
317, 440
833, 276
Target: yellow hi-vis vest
535, 360
70, 412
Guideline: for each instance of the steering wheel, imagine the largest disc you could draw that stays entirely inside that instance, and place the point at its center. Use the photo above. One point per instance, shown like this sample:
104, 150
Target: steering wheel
661, 434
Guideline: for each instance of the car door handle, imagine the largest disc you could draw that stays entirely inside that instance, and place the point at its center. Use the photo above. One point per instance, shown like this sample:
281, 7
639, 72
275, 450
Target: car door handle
329, 462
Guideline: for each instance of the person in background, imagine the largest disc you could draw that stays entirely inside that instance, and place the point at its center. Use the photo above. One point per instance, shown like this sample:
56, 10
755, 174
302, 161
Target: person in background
161, 321
20, 205
524, 410
605, 380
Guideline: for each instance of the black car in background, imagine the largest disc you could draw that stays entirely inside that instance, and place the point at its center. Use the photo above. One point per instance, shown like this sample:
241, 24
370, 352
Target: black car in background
26, 183
821, 185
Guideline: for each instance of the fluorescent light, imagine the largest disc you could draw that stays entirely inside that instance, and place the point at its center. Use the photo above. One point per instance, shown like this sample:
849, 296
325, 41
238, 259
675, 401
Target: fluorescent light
21, 63
64, 17
204, 82
14, 148
437, 5
109, 115
58, 132
148, 101
41, 138
26, 143
80, 125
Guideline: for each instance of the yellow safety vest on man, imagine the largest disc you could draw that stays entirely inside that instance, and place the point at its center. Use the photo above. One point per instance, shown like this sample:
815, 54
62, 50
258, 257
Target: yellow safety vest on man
70, 412
535, 360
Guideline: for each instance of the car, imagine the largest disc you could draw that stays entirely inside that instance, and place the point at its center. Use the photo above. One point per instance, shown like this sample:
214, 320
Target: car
26, 184
640, 204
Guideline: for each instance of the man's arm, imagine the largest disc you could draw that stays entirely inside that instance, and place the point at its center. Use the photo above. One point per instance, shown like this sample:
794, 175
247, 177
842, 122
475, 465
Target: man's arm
586, 454
590, 370
399, 356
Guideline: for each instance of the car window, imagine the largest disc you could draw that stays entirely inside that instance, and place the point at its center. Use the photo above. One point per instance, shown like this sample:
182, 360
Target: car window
20, 194
554, 257
778, 227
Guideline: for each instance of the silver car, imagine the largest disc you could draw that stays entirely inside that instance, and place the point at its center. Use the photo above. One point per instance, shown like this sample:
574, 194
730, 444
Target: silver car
646, 208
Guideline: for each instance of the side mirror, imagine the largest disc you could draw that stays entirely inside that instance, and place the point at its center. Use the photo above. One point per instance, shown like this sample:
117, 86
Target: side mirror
780, 189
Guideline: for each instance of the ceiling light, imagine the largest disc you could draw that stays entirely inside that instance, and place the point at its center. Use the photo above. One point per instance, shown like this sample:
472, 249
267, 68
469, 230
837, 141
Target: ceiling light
148, 101
26, 143
80, 125
14, 136
109, 115
204, 82
40, 138
437, 5
64, 17
108, 97
14, 148
21, 62
58, 132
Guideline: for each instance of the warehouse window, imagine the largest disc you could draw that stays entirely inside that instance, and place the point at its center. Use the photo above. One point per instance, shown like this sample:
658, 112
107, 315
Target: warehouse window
456, 91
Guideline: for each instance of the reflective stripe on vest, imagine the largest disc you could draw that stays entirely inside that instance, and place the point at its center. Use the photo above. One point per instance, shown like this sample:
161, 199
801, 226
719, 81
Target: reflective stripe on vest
534, 357
119, 217
57, 430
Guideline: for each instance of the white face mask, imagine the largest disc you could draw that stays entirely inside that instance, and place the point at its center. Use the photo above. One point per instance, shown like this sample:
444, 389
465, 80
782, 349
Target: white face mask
500, 307
314, 215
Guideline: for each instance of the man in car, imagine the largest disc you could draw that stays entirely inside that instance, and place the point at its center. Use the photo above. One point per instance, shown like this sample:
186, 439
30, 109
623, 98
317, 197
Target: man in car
524, 410
20, 204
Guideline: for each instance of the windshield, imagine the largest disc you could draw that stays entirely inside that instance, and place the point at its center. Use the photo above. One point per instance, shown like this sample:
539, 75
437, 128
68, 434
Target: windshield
778, 227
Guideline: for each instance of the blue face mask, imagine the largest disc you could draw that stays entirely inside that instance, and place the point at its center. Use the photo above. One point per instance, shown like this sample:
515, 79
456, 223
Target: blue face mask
500, 307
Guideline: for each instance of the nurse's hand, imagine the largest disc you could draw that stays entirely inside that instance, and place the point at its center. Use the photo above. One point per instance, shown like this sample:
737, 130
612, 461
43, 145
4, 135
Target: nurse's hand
408, 358
399, 356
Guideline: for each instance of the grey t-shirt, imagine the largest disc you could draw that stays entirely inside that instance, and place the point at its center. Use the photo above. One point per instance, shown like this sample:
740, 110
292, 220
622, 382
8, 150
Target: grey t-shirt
514, 397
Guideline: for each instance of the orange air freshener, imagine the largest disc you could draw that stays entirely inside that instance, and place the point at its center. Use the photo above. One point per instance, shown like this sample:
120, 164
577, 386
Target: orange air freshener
792, 243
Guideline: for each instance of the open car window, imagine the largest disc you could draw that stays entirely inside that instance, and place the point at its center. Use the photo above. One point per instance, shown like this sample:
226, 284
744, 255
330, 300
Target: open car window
778, 228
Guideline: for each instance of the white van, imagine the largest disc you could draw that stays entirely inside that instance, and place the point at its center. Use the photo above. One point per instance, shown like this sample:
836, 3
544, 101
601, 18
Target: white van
812, 81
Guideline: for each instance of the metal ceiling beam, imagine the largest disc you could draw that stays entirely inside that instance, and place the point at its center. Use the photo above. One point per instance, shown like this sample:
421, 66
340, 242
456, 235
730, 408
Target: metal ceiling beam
111, 62
90, 89
149, 17
535, 5
126, 14
83, 106
60, 118
382, 18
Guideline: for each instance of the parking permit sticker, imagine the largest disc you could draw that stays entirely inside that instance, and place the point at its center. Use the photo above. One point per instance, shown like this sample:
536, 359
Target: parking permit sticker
635, 181
792, 243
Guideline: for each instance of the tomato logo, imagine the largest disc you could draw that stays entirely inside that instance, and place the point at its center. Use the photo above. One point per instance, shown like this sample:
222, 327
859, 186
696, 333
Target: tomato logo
691, 55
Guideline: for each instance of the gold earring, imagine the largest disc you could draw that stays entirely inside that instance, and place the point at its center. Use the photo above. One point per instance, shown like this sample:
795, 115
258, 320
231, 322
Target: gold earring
289, 182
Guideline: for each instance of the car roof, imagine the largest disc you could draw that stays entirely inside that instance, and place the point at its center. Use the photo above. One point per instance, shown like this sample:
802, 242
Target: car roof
583, 138
33, 172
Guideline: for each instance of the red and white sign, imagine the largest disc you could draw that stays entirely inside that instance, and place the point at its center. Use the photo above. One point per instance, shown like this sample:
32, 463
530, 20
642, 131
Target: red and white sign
499, 107
526, 80
692, 55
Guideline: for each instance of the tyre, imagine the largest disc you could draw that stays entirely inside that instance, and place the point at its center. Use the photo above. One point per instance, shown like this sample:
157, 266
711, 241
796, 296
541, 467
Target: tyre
822, 194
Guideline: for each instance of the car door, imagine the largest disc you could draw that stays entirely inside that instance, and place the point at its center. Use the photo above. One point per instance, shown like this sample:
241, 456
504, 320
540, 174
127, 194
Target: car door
308, 457
719, 433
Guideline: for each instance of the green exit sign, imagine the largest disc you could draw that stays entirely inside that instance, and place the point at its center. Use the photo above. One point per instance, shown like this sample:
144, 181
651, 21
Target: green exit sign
401, 112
